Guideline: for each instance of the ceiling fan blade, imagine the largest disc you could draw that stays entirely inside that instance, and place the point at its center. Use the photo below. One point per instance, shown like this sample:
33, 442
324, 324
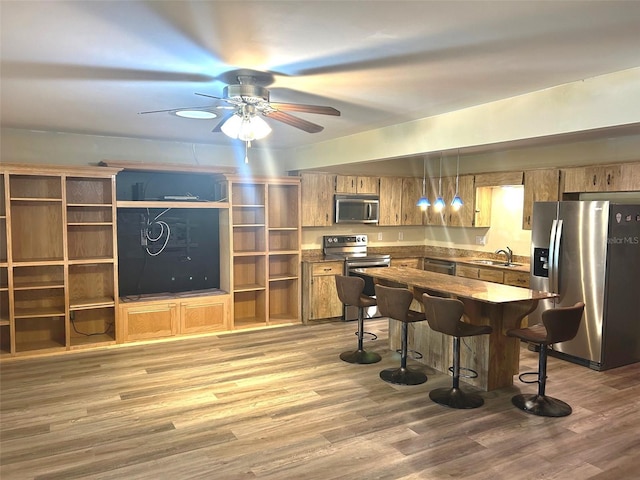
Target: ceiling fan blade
295, 122
298, 107
208, 107
224, 118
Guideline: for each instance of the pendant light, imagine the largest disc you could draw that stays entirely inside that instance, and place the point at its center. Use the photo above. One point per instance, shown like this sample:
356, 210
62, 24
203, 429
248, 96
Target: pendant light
439, 204
423, 202
457, 202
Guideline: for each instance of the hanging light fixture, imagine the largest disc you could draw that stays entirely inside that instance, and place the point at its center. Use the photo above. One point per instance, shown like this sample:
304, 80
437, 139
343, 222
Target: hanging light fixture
457, 202
439, 203
423, 201
246, 125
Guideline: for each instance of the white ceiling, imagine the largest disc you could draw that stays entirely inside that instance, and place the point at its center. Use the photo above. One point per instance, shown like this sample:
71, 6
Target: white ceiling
91, 66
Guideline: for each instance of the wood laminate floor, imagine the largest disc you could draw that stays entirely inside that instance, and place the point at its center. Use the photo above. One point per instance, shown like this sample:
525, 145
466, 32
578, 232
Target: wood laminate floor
279, 404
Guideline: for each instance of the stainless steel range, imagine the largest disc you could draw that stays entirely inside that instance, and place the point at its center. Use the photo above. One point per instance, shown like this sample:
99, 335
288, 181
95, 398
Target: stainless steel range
352, 249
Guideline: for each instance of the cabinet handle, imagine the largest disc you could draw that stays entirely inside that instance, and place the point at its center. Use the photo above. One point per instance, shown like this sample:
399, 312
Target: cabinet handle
594, 180
608, 179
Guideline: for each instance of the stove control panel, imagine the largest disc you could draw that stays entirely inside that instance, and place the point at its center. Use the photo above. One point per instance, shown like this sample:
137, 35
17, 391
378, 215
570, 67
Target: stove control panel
344, 241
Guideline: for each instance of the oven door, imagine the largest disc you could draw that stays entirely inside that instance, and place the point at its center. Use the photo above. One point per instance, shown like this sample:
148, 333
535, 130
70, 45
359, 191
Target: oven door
349, 312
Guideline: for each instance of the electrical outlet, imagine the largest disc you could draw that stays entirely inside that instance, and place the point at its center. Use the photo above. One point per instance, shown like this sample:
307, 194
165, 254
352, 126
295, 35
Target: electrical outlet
379, 235
400, 236
481, 240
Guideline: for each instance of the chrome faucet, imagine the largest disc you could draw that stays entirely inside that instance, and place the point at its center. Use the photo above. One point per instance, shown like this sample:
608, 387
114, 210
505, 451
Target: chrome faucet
508, 253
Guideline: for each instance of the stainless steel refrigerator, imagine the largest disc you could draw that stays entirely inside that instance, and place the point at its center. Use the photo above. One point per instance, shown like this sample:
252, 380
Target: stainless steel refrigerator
590, 251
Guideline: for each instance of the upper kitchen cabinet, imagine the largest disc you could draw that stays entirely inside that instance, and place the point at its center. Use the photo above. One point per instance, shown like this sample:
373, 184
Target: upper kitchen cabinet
446, 187
357, 184
411, 192
317, 199
539, 186
391, 201
602, 178
463, 216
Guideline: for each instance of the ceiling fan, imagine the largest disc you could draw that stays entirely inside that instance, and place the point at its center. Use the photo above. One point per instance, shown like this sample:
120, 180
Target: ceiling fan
247, 101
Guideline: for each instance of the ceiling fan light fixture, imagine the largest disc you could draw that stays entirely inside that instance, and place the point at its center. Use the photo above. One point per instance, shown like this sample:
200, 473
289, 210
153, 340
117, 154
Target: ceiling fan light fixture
195, 114
246, 128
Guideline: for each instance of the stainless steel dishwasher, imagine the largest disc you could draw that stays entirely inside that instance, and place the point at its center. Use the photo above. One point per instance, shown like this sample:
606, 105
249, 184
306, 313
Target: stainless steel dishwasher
440, 266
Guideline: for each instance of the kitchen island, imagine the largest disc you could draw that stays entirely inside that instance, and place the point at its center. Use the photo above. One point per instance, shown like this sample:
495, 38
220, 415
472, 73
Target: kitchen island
495, 357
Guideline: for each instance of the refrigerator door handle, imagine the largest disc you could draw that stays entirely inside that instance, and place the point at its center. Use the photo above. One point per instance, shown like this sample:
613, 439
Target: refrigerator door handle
556, 258
551, 259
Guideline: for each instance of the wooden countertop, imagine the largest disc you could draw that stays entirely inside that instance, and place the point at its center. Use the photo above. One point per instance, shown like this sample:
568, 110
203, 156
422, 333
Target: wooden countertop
479, 290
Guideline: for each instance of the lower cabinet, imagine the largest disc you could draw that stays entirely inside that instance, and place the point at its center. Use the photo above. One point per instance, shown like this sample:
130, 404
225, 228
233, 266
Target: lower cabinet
168, 317
321, 297
496, 275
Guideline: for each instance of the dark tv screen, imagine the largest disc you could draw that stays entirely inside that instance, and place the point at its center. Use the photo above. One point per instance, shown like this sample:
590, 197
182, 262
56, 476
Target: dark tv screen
167, 250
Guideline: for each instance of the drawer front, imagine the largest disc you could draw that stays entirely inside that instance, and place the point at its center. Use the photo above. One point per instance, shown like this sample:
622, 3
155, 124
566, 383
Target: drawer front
328, 268
491, 275
517, 279
467, 272
405, 262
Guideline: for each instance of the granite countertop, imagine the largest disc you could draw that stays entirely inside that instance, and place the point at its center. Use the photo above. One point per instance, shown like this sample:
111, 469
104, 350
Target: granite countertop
487, 292
466, 257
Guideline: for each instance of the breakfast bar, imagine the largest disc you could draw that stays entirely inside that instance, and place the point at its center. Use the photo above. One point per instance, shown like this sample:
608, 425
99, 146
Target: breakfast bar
494, 357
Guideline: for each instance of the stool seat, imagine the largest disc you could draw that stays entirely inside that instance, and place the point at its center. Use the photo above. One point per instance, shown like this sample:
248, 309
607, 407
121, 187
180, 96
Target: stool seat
444, 315
394, 303
350, 290
558, 325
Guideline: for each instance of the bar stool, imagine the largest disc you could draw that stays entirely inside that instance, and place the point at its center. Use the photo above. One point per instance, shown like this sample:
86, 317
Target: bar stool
558, 325
444, 316
350, 293
394, 303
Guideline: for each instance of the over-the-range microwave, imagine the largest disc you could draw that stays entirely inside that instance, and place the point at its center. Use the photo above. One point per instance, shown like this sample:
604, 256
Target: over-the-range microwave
357, 208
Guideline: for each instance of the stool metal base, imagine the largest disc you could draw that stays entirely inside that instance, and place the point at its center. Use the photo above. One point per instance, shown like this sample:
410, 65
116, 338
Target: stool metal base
360, 356
456, 398
541, 405
403, 376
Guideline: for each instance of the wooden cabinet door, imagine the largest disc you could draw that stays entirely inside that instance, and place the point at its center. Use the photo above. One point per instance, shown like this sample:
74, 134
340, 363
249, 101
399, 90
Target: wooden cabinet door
435, 187
411, 192
317, 199
367, 185
482, 207
326, 303
356, 184
346, 183
629, 180
207, 314
390, 201
152, 320
539, 186
320, 297
599, 178
464, 216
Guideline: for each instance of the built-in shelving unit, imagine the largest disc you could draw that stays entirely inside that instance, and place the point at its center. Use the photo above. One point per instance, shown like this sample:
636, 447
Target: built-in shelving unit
58, 285
265, 244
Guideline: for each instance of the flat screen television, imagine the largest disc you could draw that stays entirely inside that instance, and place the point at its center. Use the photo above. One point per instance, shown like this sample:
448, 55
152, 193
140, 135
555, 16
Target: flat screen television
167, 250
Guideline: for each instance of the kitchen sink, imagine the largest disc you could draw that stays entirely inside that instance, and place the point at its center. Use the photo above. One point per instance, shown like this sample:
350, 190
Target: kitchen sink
496, 263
